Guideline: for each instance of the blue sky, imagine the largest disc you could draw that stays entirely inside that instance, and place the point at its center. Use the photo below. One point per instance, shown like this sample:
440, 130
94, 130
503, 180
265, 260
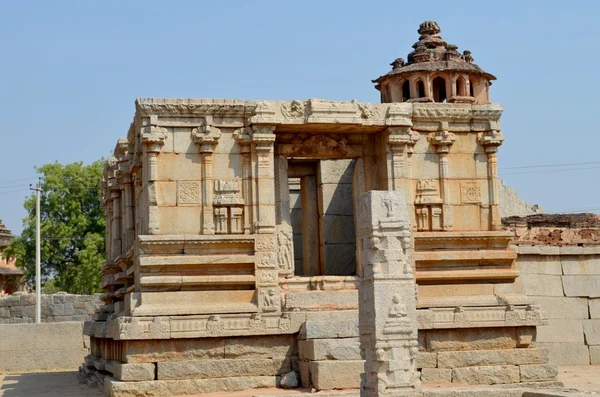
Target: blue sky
71, 70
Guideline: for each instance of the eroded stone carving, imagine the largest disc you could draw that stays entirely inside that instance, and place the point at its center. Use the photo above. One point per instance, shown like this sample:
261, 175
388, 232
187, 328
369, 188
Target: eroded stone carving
188, 192
293, 109
228, 192
470, 192
285, 256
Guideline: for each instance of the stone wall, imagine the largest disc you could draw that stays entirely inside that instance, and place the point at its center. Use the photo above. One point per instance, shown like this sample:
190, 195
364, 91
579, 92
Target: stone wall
566, 283
20, 308
512, 205
42, 347
559, 265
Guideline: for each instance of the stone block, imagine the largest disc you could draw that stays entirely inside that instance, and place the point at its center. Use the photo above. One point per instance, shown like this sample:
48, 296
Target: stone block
535, 264
489, 375
561, 331
591, 330
140, 351
594, 306
329, 349
188, 386
166, 193
177, 167
557, 307
468, 339
338, 171
342, 374
534, 373
272, 346
477, 358
330, 329
304, 368
4, 312
315, 300
581, 265
222, 368
183, 141
585, 286
567, 353
179, 220
542, 285
594, 355
436, 375
426, 360
44, 336
338, 229
131, 372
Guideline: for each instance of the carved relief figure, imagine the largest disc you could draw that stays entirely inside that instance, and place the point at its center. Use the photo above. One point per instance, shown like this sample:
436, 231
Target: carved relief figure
286, 259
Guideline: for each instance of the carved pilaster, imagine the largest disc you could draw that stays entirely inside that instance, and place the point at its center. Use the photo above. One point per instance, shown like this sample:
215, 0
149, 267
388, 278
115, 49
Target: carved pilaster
244, 140
387, 301
263, 140
490, 140
443, 140
153, 138
207, 136
401, 141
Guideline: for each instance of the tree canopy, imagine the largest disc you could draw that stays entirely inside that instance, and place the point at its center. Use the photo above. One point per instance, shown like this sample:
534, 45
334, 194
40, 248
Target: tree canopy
72, 228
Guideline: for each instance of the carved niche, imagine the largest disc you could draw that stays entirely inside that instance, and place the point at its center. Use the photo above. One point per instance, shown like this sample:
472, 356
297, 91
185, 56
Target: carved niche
428, 206
228, 207
319, 145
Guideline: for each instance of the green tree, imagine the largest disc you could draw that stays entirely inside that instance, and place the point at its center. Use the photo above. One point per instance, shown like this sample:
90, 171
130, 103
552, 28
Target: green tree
72, 228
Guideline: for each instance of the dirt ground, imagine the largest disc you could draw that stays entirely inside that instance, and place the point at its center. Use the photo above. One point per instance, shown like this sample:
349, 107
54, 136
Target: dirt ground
64, 384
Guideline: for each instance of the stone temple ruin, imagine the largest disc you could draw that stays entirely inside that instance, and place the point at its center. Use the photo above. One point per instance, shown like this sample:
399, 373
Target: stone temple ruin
239, 234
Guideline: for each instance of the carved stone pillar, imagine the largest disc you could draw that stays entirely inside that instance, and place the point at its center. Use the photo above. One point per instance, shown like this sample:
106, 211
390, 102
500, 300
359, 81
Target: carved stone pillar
128, 224
387, 296
401, 141
153, 138
269, 254
285, 236
443, 140
115, 195
490, 141
207, 137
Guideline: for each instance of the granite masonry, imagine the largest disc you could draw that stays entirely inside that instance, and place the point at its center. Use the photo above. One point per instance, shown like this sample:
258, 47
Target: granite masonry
236, 243
20, 308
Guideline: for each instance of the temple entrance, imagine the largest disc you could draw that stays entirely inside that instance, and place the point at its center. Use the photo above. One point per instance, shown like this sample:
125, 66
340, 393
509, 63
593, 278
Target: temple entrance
322, 216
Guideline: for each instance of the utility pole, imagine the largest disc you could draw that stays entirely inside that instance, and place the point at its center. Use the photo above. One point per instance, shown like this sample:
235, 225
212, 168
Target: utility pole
38, 283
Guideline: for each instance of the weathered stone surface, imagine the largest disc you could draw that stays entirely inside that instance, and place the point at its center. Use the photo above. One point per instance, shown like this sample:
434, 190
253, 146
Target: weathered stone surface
466, 339
538, 372
591, 330
489, 375
173, 350
476, 358
436, 375
581, 265
536, 264
304, 369
594, 306
275, 346
567, 353
562, 307
204, 369
559, 330
315, 300
41, 347
594, 355
131, 372
542, 285
188, 386
341, 374
329, 349
585, 286
426, 360
330, 329
289, 380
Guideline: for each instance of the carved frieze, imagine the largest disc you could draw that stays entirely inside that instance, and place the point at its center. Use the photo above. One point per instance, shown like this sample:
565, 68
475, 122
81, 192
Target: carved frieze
427, 192
318, 145
270, 300
285, 250
266, 260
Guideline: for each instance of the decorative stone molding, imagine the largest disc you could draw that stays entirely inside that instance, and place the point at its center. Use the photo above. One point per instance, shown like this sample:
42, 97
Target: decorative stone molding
189, 107
206, 135
490, 140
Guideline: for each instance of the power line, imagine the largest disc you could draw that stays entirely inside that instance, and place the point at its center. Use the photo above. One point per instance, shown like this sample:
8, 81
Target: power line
550, 165
14, 186
19, 180
14, 191
552, 170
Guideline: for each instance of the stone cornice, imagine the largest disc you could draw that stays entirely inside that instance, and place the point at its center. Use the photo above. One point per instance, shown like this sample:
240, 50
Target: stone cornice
203, 107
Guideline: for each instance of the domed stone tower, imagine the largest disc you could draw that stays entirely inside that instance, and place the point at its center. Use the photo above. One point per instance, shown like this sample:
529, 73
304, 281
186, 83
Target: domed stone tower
435, 72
